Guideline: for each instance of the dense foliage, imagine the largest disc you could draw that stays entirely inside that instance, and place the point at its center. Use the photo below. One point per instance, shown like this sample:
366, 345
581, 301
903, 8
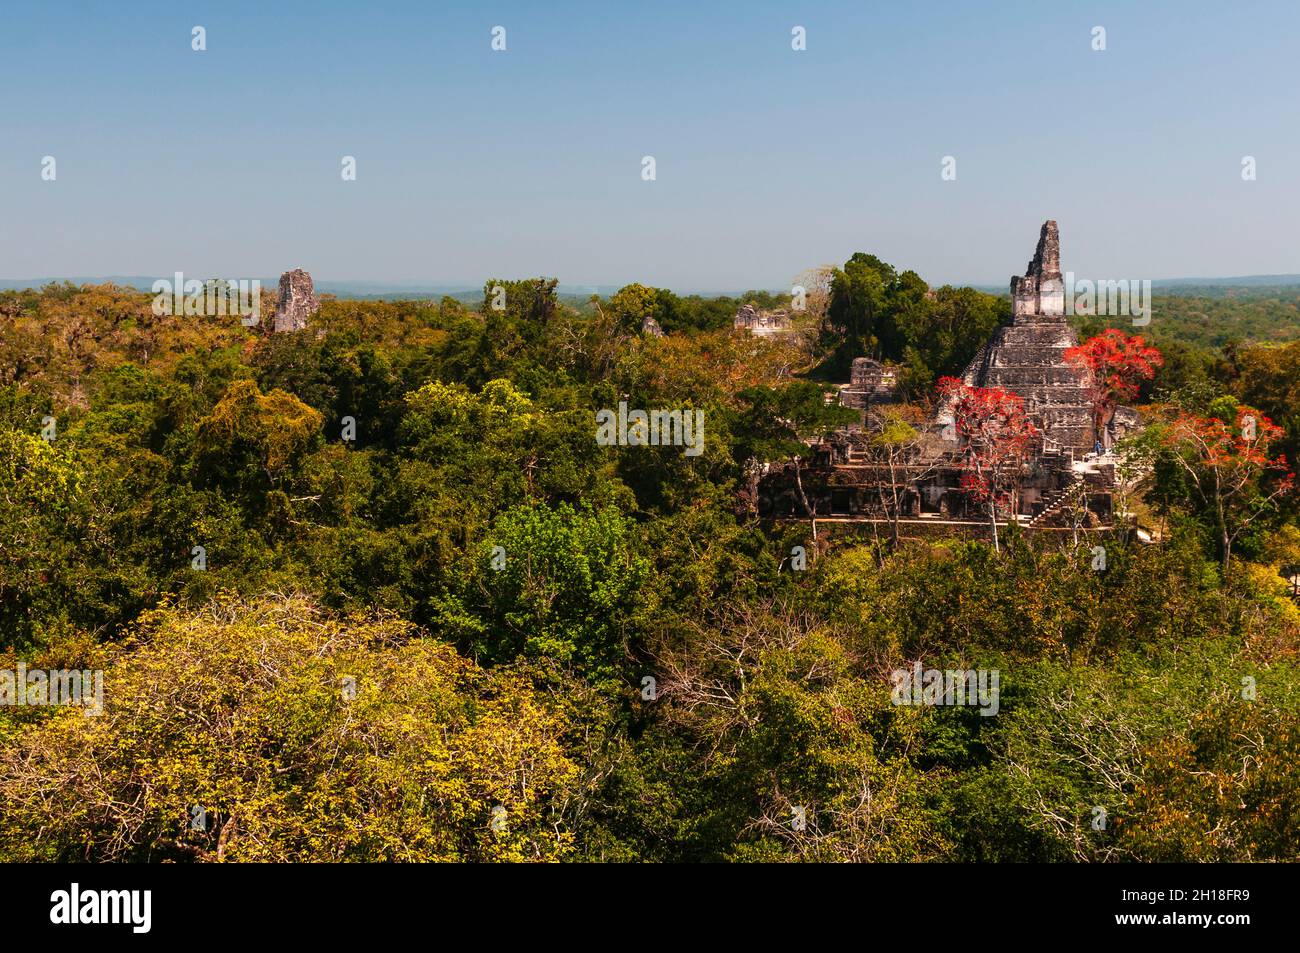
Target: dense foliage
373, 591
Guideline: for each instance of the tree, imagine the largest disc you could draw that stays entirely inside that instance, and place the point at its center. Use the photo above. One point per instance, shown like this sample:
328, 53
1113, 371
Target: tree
632, 304
877, 311
892, 447
271, 731
529, 300
1226, 791
803, 758
778, 422
943, 330
1269, 378
712, 367
858, 298
41, 496
996, 436
816, 283
516, 317
252, 440
1117, 365
1229, 471
551, 585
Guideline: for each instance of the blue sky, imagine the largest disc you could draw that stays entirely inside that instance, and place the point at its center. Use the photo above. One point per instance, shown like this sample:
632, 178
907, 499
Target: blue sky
472, 163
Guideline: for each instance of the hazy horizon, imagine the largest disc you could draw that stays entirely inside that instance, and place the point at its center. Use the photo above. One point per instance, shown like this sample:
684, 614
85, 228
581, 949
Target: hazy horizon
329, 285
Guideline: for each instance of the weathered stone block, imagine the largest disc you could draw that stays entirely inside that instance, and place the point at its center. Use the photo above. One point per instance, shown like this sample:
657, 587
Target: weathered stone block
297, 301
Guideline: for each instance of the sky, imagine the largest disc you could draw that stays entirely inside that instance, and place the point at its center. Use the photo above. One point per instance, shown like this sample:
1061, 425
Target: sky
473, 163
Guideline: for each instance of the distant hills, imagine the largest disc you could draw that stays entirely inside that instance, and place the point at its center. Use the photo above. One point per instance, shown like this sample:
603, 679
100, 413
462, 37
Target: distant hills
1205, 287
1243, 281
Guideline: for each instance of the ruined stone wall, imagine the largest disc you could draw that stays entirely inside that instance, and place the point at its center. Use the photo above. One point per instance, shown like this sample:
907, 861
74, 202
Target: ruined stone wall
755, 321
870, 382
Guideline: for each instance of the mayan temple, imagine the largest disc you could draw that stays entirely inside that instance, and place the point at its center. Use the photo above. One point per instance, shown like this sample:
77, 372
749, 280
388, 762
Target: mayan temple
1027, 356
1062, 480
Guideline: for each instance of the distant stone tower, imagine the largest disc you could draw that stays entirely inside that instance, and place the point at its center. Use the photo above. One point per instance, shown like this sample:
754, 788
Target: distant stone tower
297, 301
1027, 356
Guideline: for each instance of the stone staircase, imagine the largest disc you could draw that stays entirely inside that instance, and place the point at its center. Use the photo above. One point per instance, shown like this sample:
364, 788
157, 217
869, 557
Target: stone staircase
975, 367
1058, 499
1055, 457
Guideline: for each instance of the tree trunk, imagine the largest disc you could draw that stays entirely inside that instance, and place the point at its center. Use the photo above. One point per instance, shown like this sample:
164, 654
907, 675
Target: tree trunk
798, 485
893, 489
1225, 541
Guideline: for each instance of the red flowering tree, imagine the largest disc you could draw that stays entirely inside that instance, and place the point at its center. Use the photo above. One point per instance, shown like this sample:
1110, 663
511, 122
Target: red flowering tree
1230, 469
996, 435
1118, 365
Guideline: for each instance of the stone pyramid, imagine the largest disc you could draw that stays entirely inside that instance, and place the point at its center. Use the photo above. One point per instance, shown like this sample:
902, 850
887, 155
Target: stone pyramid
1026, 356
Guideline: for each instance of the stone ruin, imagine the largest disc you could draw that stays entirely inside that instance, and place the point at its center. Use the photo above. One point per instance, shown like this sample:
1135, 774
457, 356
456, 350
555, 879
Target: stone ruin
758, 322
297, 301
1040, 290
1027, 356
1061, 484
870, 382
651, 328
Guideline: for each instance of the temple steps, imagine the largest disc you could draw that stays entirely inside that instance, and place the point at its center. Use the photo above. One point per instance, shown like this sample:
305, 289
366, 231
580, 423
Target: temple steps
1058, 499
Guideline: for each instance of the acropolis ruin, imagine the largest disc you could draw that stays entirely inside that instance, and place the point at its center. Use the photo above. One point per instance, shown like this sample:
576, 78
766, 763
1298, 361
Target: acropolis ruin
1068, 476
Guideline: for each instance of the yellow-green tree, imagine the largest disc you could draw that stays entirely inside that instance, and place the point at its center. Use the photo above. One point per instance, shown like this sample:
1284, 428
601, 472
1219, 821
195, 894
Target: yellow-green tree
40, 489
270, 731
271, 430
1227, 790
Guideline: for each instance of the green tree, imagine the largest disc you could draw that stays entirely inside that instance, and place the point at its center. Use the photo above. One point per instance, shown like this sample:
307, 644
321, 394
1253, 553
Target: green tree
554, 585
776, 422
859, 295
632, 304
